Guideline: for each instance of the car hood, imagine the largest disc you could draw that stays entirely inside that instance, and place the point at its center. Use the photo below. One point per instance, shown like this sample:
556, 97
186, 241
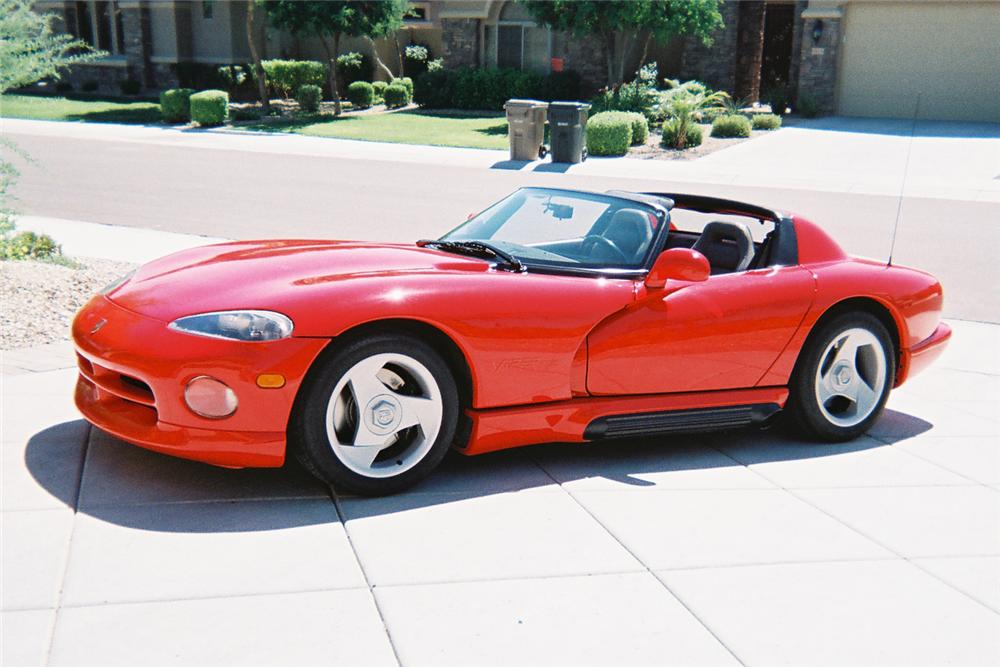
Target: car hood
278, 275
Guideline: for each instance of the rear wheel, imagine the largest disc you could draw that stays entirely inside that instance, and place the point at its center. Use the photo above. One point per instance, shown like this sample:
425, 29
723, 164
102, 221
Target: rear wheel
378, 416
842, 382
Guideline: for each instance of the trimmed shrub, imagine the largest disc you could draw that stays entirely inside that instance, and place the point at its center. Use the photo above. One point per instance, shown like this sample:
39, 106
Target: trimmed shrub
379, 89
64, 87
396, 95
287, 76
89, 86
210, 107
28, 245
692, 137
434, 89
361, 94
609, 133
405, 82
640, 128
353, 67
488, 89
309, 96
766, 121
729, 127
415, 59
175, 105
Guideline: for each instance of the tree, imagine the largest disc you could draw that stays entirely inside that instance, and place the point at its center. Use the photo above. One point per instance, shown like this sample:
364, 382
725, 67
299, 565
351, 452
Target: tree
258, 66
30, 50
329, 21
619, 24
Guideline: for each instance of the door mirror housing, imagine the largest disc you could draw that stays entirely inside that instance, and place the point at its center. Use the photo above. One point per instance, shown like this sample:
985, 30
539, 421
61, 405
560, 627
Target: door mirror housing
678, 264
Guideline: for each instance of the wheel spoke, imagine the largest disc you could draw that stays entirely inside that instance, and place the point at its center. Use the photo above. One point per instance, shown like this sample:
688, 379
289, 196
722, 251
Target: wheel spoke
825, 390
848, 351
364, 382
863, 395
424, 412
360, 455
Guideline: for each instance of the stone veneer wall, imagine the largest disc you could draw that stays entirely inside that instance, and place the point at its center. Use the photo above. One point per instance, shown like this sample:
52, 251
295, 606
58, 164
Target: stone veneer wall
714, 64
460, 42
818, 63
588, 58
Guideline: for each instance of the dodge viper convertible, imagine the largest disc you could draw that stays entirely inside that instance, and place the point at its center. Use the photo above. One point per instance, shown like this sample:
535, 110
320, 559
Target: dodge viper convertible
553, 315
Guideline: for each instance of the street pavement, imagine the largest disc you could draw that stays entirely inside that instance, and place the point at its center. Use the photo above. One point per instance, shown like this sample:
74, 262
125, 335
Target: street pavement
749, 547
845, 174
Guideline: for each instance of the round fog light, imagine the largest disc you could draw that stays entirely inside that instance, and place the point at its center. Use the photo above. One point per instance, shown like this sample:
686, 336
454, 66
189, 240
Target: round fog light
208, 397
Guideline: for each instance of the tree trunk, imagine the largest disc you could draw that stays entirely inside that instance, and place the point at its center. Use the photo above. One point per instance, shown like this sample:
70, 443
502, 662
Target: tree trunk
645, 50
609, 42
381, 64
399, 54
332, 59
258, 66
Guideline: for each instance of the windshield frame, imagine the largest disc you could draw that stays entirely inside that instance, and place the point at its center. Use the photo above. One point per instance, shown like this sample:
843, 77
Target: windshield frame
662, 211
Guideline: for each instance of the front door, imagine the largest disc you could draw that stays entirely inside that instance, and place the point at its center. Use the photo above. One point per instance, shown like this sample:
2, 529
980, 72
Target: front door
722, 333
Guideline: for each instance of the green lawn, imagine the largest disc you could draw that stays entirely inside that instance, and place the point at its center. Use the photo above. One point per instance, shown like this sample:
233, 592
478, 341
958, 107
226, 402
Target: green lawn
89, 110
404, 127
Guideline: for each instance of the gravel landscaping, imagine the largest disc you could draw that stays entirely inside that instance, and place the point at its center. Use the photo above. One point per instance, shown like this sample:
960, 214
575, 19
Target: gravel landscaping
39, 299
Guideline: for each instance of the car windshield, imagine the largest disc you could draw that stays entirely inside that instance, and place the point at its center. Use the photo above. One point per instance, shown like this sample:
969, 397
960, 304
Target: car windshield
560, 228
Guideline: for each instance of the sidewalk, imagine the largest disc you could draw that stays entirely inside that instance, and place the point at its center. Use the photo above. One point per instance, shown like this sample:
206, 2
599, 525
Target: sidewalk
836, 155
747, 548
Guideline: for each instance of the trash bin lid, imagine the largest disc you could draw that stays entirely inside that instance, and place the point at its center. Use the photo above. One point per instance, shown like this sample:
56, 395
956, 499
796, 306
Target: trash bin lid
525, 103
577, 106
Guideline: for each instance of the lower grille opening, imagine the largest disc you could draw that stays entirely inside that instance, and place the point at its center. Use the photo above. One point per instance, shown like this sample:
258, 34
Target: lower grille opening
136, 383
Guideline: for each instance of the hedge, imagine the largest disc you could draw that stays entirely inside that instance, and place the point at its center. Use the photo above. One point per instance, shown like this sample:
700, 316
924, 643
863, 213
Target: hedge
361, 94
210, 107
287, 76
488, 89
175, 105
766, 121
732, 126
379, 87
609, 133
692, 137
396, 95
405, 82
309, 96
353, 67
640, 128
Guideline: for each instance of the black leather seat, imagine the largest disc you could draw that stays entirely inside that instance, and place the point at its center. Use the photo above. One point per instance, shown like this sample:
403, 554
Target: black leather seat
727, 246
630, 231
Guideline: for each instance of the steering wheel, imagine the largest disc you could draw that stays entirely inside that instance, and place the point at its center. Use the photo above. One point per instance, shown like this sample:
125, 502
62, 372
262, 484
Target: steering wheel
592, 241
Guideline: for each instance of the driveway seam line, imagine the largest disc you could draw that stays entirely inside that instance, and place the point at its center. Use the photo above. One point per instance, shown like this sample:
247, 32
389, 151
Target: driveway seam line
364, 574
69, 542
646, 567
863, 534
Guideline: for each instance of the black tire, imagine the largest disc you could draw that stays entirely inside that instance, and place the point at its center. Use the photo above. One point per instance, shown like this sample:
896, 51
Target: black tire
803, 403
307, 428
543, 150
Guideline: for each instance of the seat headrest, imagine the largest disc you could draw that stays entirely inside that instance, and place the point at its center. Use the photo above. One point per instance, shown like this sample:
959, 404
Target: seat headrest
630, 230
728, 246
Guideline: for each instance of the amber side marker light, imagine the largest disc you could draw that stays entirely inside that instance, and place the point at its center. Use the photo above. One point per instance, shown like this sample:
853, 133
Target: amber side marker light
270, 381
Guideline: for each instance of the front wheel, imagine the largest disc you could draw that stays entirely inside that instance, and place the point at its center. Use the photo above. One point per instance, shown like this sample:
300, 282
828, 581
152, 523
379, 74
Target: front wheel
376, 417
843, 379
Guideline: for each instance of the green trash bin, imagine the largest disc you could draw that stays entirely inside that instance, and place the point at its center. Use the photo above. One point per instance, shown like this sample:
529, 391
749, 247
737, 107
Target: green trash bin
568, 131
526, 129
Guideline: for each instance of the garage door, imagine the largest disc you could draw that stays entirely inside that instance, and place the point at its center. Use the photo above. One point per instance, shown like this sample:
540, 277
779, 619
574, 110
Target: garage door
947, 52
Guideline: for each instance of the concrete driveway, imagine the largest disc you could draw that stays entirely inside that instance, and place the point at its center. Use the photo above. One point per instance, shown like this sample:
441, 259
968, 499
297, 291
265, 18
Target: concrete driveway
743, 548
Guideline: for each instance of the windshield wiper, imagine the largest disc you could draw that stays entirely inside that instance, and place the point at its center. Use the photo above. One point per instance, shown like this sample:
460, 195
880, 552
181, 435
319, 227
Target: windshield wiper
477, 249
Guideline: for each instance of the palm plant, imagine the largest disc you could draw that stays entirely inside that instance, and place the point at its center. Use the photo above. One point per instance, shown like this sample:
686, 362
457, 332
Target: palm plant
685, 109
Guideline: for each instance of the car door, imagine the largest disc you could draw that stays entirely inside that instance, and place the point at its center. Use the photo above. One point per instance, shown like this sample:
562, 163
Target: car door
721, 333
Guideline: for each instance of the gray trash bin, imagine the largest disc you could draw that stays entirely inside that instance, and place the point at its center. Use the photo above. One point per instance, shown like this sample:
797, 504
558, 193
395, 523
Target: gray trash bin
568, 131
526, 128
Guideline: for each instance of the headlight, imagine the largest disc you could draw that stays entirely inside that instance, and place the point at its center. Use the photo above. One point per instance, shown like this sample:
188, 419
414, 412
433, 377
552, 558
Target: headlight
246, 325
107, 289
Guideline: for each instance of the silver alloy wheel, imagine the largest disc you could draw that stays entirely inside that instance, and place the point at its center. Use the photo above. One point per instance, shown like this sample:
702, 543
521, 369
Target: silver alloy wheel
851, 377
384, 415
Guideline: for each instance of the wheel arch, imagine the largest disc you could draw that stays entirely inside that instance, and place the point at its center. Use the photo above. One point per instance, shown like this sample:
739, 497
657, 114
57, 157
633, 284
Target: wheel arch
867, 304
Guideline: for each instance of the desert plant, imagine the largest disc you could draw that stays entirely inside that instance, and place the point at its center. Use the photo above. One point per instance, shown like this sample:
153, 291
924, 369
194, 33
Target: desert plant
175, 105
28, 245
396, 95
808, 105
670, 139
210, 107
361, 94
777, 96
309, 96
765, 121
686, 107
730, 127
609, 133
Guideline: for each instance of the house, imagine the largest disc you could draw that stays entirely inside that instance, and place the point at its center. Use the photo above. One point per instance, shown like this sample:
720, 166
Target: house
851, 57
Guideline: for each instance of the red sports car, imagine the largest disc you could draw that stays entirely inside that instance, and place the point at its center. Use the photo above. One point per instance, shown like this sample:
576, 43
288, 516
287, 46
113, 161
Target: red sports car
553, 315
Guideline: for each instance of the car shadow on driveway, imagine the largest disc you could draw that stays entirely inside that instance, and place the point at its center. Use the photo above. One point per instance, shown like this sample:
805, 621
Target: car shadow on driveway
129, 486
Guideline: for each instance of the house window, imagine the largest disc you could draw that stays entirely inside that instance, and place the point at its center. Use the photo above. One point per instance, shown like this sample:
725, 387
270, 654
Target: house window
99, 23
417, 13
207, 9
515, 41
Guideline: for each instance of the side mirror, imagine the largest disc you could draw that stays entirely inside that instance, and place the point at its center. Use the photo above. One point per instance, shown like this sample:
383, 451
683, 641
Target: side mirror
678, 264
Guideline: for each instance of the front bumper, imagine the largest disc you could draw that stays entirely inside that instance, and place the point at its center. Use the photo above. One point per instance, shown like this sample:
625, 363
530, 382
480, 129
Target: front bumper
920, 356
133, 371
